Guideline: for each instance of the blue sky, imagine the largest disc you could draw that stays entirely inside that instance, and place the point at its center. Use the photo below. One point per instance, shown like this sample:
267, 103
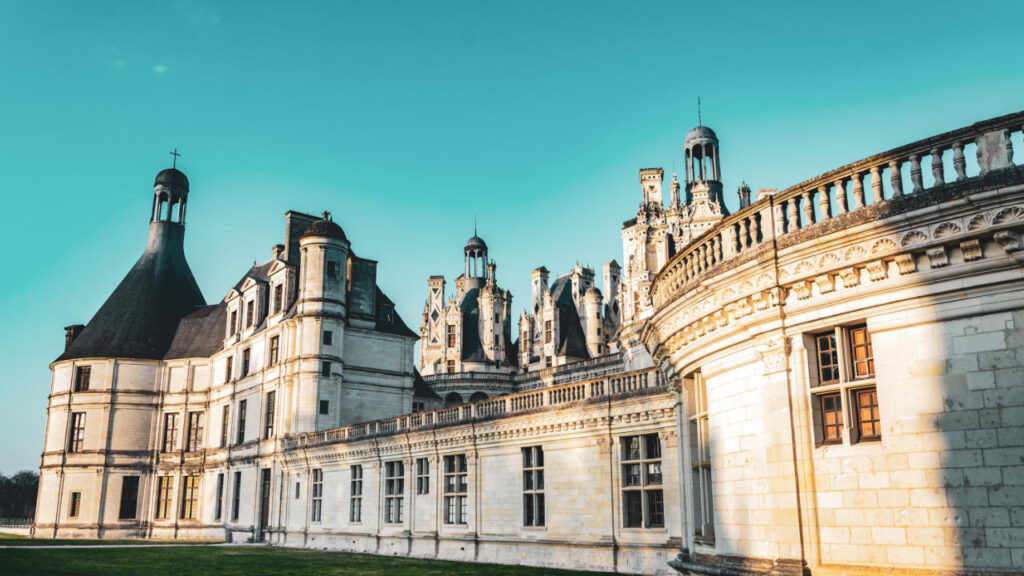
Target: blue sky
406, 120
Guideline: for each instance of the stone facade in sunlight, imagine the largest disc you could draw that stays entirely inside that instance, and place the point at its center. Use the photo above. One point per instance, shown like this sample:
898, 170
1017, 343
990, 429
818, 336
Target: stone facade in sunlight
829, 380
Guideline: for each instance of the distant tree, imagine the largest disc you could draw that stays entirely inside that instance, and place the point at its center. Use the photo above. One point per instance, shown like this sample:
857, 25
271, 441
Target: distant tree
18, 494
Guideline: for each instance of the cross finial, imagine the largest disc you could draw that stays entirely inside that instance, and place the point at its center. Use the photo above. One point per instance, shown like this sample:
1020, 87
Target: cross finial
327, 215
699, 122
474, 224
174, 164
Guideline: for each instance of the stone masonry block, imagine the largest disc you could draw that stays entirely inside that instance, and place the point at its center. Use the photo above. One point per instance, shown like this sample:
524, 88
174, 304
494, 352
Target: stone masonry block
889, 536
995, 359
903, 555
990, 517
926, 536
982, 342
1006, 495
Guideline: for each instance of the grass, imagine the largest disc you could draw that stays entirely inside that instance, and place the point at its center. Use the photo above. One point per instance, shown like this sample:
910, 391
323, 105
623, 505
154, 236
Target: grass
242, 561
15, 540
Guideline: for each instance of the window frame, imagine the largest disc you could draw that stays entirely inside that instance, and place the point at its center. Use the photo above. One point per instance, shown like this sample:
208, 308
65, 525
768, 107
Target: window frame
240, 431
236, 496
534, 505
701, 474
316, 495
273, 355
394, 492
422, 476
269, 409
194, 441
164, 497
189, 497
219, 505
355, 494
170, 440
76, 432
456, 490
246, 361
75, 507
847, 340
225, 425
83, 375
641, 485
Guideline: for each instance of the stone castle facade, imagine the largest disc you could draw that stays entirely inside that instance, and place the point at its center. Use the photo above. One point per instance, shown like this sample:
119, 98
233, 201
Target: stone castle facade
829, 380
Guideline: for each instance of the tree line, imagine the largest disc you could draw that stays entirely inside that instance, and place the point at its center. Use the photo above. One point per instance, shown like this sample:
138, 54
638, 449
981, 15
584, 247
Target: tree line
18, 494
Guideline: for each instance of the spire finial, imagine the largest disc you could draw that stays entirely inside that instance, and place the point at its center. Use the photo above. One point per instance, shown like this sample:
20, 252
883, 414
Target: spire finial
474, 224
174, 163
699, 121
327, 215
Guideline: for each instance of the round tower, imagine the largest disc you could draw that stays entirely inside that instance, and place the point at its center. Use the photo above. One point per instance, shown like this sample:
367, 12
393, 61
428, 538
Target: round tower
476, 257
324, 253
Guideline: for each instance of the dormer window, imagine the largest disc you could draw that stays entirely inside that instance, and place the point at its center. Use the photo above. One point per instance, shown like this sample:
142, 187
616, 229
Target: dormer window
250, 312
278, 298
233, 325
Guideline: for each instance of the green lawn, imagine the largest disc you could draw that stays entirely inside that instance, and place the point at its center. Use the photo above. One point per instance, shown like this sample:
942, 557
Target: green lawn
235, 561
12, 540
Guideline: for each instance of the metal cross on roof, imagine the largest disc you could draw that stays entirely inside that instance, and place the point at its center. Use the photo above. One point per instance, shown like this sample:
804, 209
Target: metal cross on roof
174, 164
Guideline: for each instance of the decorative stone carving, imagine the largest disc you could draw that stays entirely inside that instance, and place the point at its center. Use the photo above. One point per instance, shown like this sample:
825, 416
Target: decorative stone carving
802, 289
906, 264
976, 223
883, 246
913, 237
1006, 215
971, 249
826, 283
995, 151
937, 257
945, 230
1010, 240
877, 270
773, 354
850, 276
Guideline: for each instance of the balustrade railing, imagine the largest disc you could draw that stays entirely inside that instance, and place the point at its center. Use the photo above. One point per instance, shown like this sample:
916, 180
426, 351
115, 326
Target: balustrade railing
636, 382
850, 188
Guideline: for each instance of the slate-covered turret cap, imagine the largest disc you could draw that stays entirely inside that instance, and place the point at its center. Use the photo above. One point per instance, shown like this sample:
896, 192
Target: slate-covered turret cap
325, 227
172, 178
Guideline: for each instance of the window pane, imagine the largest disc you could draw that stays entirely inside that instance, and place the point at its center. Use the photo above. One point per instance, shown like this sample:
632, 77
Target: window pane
828, 358
633, 509
655, 508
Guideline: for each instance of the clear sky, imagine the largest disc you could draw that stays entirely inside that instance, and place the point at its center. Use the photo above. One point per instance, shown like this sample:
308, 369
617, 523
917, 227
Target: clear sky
406, 119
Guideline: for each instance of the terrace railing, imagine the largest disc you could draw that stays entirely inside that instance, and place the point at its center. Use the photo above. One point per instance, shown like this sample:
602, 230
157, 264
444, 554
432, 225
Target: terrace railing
851, 188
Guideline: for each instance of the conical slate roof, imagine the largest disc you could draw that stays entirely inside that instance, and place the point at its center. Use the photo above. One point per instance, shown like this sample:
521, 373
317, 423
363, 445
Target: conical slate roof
141, 316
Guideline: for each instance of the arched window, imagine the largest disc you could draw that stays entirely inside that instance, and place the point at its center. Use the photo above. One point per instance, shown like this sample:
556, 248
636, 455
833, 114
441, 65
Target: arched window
452, 399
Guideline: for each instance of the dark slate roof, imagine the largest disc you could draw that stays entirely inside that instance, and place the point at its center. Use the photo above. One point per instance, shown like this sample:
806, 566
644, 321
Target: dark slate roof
420, 388
172, 177
140, 317
393, 324
325, 227
200, 334
572, 341
475, 243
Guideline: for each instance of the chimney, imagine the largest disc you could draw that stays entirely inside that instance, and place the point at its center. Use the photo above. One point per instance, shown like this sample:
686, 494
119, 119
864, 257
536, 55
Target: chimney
278, 251
70, 333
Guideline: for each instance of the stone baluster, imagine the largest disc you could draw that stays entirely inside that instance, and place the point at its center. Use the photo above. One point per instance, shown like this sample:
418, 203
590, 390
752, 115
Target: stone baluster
937, 173
876, 184
896, 178
959, 161
780, 221
728, 242
915, 173
858, 191
840, 185
705, 250
717, 247
808, 208
824, 203
755, 229
794, 213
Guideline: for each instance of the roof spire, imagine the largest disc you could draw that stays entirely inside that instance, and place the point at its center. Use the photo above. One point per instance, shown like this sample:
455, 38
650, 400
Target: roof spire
474, 224
699, 122
174, 163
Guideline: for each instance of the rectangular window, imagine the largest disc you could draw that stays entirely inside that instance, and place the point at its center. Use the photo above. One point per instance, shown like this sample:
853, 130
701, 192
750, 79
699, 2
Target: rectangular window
190, 497
275, 350
548, 332
236, 496
278, 298
700, 459
332, 270
450, 366
268, 418
325, 407
129, 498
316, 502
76, 505
77, 437
233, 326
82, 374
170, 432
394, 491
533, 486
225, 424
355, 495
250, 313
195, 432
865, 405
451, 335
163, 497
418, 407
228, 365
298, 486
832, 417
642, 504
246, 356
325, 368
422, 476
456, 490
219, 509
240, 433
845, 372
328, 337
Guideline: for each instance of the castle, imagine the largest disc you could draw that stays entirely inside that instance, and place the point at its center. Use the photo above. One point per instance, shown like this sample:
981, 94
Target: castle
829, 380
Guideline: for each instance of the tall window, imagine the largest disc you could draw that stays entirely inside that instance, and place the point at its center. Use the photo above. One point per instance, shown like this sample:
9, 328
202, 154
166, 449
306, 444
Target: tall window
451, 335
129, 498
422, 476
77, 437
268, 418
700, 459
225, 424
195, 431
233, 326
236, 496
76, 505
450, 366
190, 497
219, 508
278, 298
456, 474
533, 486
246, 355
643, 504
170, 432
332, 269
328, 337
316, 502
843, 383
325, 368
82, 374
250, 312
355, 495
163, 497
228, 365
548, 332
275, 350
240, 433
394, 491
325, 407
